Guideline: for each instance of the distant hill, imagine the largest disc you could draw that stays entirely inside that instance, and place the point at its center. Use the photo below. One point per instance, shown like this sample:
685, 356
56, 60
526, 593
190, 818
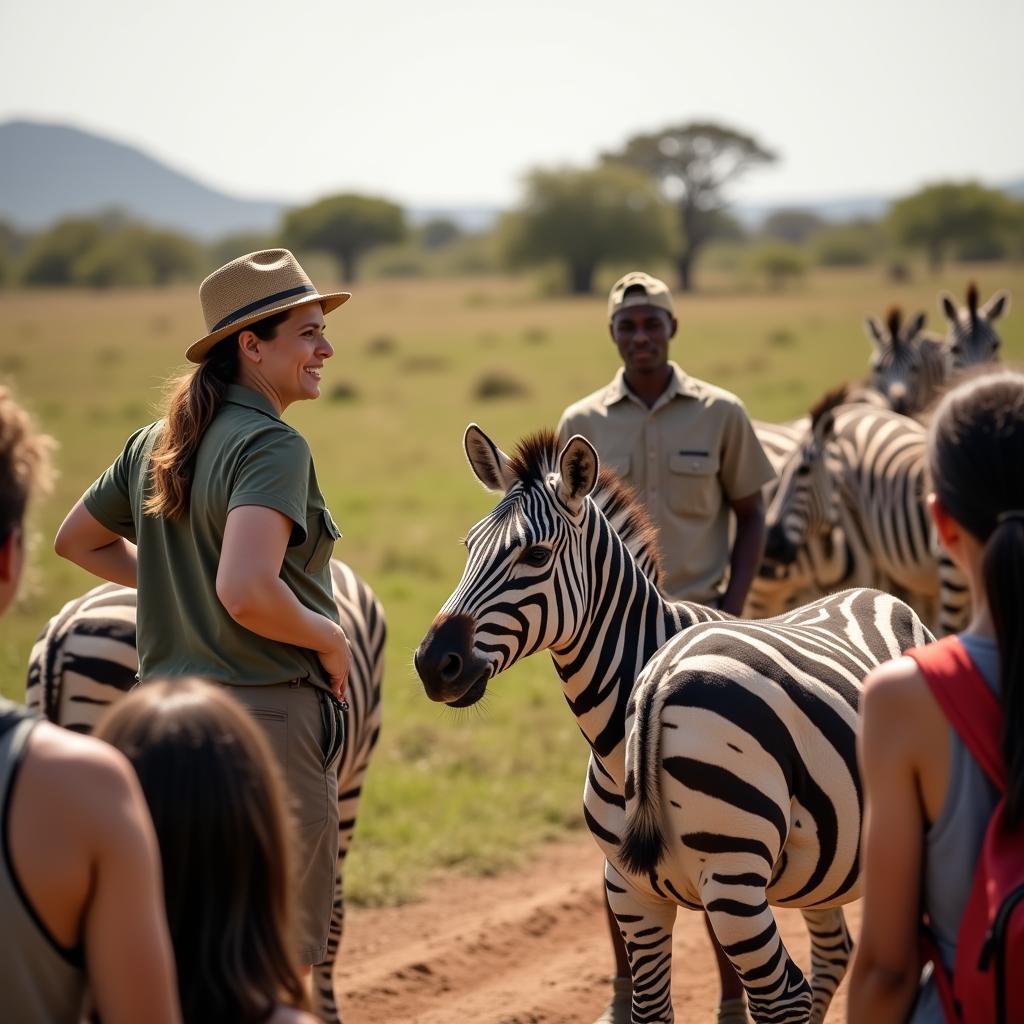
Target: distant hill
49, 171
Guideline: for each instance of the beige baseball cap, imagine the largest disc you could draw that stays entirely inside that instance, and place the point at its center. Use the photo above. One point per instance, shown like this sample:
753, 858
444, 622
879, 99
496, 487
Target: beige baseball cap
646, 291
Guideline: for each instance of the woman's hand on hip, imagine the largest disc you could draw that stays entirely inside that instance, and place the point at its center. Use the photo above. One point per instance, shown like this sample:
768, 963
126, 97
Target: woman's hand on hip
336, 660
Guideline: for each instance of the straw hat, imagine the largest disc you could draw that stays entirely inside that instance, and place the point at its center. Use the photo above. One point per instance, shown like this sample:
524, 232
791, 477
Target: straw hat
251, 288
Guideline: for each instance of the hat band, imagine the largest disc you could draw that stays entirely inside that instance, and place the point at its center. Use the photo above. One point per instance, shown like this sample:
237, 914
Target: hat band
260, 304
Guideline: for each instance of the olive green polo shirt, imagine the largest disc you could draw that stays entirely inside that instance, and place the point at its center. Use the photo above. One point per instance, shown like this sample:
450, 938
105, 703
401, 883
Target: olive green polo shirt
688, 456
248, 456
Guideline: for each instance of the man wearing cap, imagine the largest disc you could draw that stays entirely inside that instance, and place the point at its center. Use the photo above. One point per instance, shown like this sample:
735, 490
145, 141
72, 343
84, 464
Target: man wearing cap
215, 514
690, 451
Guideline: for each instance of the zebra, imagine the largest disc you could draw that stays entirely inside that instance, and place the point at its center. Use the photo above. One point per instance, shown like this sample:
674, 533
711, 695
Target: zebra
972, 340
723, 775
908, 367
85, 659
878, 470
832, 557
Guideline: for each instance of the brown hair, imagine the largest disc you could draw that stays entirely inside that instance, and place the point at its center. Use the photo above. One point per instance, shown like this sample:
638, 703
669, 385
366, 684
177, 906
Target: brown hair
193, 403
976, 449
219, 810
24, 462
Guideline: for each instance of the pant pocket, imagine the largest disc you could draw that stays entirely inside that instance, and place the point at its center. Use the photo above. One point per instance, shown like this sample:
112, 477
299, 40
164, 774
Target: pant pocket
332, 714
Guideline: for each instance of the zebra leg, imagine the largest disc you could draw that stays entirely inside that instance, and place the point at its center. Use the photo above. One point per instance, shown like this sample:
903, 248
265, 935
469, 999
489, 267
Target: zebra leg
831, 947
646, 924
777, 990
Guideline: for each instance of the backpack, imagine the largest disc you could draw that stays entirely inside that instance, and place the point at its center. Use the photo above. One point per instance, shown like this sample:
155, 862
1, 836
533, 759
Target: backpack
987, 983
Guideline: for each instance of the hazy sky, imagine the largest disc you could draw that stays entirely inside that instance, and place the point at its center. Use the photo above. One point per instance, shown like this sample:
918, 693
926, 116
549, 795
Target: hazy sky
450, 102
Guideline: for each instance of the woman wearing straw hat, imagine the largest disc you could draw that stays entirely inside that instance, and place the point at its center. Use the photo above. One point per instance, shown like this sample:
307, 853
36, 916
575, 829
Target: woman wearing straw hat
215, 514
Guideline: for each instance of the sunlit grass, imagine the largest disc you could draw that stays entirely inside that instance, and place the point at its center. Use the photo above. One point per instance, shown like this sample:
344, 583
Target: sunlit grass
477, 788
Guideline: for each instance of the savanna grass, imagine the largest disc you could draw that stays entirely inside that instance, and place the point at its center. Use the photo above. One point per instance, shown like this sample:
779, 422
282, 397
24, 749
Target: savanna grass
473, 789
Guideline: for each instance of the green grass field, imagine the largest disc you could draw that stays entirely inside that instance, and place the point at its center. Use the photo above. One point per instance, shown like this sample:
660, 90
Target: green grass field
416, 361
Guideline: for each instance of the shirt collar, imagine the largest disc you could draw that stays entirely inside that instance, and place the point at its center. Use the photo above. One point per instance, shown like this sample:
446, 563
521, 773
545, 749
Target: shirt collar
679, 386
239, 394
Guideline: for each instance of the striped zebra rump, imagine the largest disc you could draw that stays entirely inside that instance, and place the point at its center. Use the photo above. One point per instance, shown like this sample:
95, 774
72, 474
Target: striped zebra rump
86, 659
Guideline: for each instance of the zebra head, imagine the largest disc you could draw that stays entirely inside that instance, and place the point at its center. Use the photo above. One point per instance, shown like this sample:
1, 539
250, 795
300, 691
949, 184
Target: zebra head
527, 584
972, 340
806, 499
908, 369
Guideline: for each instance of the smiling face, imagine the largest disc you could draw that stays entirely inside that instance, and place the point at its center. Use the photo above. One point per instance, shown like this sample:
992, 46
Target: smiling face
642, 334
288, 367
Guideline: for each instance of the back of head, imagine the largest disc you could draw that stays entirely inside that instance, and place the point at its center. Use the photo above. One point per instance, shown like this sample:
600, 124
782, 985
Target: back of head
219, 812
976, 450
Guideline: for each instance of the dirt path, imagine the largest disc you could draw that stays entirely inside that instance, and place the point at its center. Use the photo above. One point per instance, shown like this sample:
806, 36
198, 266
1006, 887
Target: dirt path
527, 947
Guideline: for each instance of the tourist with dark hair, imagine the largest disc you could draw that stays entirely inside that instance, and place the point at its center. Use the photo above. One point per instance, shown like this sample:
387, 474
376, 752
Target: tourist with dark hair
80, 895
219, 809
928, 799
216, 515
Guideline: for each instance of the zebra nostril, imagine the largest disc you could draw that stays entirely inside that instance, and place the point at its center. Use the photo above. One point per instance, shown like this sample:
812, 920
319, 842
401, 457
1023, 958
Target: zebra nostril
450, 668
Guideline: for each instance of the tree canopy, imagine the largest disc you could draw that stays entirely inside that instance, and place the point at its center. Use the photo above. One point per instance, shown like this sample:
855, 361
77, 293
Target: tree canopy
949, 216
582, 218
693, 164
347, 226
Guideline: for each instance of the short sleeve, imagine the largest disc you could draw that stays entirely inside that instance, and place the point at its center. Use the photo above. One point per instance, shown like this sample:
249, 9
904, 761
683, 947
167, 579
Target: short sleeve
744, 467
274, 472
109, 499
565, 430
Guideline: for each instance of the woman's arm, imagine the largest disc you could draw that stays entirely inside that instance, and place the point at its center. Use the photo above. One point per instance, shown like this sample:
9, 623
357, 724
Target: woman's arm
84, 540
250, 587
887, 967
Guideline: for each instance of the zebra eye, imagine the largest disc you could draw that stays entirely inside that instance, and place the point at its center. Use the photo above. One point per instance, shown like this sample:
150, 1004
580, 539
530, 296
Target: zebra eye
536, 555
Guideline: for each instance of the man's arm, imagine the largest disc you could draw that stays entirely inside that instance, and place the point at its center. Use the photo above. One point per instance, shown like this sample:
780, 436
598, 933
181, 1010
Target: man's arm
746, 550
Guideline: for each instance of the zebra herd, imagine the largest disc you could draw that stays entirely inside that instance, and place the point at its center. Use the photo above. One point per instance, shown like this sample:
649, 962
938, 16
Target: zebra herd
722, 771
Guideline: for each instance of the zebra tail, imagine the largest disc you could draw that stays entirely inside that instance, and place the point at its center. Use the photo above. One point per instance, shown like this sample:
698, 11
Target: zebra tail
643, 844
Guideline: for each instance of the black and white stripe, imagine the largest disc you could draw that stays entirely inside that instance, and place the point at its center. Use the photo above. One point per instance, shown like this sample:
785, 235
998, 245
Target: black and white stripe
723, 774
85, 659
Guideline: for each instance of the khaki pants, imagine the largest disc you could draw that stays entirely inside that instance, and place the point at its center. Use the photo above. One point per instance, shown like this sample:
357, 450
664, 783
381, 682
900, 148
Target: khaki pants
301, 722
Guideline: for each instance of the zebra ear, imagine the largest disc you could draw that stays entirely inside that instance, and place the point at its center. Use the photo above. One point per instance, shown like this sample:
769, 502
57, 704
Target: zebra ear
490, 464
875, 331
914, 327
996, 306
949, 307
577, 471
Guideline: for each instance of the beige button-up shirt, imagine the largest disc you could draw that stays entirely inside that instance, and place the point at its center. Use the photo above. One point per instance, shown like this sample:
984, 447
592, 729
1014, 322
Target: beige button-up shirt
688, 457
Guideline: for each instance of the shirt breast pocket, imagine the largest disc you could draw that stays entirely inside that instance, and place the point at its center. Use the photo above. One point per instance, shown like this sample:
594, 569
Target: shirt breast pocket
693, 487
321, 533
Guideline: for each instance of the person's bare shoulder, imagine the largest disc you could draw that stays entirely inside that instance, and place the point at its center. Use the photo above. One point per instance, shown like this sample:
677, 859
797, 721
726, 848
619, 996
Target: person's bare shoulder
897, 702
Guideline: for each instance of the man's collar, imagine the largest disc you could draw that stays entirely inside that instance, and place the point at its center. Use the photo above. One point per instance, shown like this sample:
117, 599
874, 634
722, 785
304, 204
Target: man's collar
679, 385
239, 394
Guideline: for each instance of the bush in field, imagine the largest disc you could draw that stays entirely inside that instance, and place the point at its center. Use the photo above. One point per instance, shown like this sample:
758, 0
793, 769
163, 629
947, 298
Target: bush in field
795, 225
347, 226
582, 218
52, 254
438, 232
855, 244
498, 384
138, 255
778, 263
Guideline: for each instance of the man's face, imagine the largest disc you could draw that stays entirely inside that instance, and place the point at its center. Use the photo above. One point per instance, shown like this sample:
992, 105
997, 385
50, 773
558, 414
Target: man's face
642, 334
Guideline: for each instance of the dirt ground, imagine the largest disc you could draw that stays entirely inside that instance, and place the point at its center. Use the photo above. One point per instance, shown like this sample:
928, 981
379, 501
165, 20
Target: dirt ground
527, 947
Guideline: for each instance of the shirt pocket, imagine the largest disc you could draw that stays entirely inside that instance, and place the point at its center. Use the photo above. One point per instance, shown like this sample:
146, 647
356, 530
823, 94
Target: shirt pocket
321, 533
693, 487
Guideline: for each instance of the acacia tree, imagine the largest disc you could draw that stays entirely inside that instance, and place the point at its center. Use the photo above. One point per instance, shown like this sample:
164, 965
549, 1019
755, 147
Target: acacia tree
693, 164
582, 218
938, 217
347, 226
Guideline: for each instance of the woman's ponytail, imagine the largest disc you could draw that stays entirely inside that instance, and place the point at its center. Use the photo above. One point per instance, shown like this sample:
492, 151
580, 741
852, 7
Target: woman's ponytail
1003, 569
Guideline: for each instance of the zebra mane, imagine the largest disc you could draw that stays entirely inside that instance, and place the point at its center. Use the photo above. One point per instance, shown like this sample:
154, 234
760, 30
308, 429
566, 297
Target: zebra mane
537, 455
829, 401
972, 304
893, 319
